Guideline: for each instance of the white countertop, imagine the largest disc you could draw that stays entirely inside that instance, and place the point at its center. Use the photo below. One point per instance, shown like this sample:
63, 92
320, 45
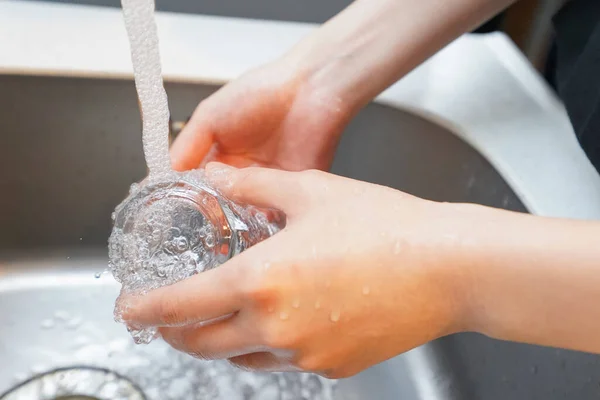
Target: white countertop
480, 86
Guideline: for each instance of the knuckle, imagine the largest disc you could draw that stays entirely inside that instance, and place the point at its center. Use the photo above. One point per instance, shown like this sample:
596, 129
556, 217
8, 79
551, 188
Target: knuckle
308, 181
241, 182
169, 311
315, 174
187, 341
278, 336
257, 286
325, 366
253, 289
309, 363
245, 180
312, 174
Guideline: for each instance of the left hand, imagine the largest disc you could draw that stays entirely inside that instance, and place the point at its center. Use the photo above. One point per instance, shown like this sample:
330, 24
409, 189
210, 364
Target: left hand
360, 274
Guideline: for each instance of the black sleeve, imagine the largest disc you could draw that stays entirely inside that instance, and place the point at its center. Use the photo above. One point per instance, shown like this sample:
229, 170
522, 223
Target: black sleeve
574, 70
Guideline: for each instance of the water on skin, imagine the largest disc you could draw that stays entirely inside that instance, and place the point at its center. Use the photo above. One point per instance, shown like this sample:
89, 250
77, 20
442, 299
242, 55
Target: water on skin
366, 290
335, 315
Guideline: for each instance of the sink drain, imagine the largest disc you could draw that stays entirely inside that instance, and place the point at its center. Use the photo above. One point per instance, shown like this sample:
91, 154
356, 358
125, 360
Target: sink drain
79, 383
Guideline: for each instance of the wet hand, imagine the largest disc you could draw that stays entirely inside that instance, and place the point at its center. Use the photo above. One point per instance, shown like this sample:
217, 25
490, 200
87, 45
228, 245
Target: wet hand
269, 117
360, 274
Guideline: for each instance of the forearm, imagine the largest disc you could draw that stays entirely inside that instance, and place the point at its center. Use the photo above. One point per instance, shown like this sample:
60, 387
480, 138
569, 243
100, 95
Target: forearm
373, 43
535, 280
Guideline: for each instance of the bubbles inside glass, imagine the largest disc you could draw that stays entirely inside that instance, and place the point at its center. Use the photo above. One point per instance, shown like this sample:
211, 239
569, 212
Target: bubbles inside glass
173, 226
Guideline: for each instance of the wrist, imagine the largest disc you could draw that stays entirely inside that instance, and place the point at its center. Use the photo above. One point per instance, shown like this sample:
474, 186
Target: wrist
471, 245
321, 103
348, 59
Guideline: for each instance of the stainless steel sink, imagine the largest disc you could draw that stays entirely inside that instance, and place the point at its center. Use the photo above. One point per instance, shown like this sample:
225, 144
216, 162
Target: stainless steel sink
69, 150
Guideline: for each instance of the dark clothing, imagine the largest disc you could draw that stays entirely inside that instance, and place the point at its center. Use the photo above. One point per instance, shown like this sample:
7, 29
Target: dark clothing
574, 70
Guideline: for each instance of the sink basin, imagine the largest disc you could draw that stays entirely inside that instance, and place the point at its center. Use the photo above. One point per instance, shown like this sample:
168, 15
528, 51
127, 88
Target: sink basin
69, 150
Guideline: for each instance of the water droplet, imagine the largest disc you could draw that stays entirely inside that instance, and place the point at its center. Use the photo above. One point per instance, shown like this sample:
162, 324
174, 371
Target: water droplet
80, 239
47, 324
133, 188
97, 275
113, 216
68, 257
284, 315
296, 303
317, 304
366, 290
397, 247
335, 316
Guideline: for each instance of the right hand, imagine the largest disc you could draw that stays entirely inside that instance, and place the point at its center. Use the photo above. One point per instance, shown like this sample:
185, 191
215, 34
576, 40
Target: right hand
269, 117
360, 274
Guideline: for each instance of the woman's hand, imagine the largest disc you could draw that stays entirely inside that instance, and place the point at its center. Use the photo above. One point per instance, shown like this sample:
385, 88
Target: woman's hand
269, 117
289, 114
360, 274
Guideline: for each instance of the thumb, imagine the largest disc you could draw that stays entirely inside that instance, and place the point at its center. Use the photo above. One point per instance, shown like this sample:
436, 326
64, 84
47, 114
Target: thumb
192, 144
261, 187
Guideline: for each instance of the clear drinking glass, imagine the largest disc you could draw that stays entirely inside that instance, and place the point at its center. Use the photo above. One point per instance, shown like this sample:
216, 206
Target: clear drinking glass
173, 226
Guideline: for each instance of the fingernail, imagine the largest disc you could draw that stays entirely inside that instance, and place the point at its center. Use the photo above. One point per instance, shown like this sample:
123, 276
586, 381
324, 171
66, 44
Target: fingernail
219, 175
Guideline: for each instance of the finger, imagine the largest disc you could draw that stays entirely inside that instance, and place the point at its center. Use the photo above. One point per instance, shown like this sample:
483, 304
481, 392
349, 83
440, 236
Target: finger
225, 339
211, 294
262, 187
263, 361
193, 143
